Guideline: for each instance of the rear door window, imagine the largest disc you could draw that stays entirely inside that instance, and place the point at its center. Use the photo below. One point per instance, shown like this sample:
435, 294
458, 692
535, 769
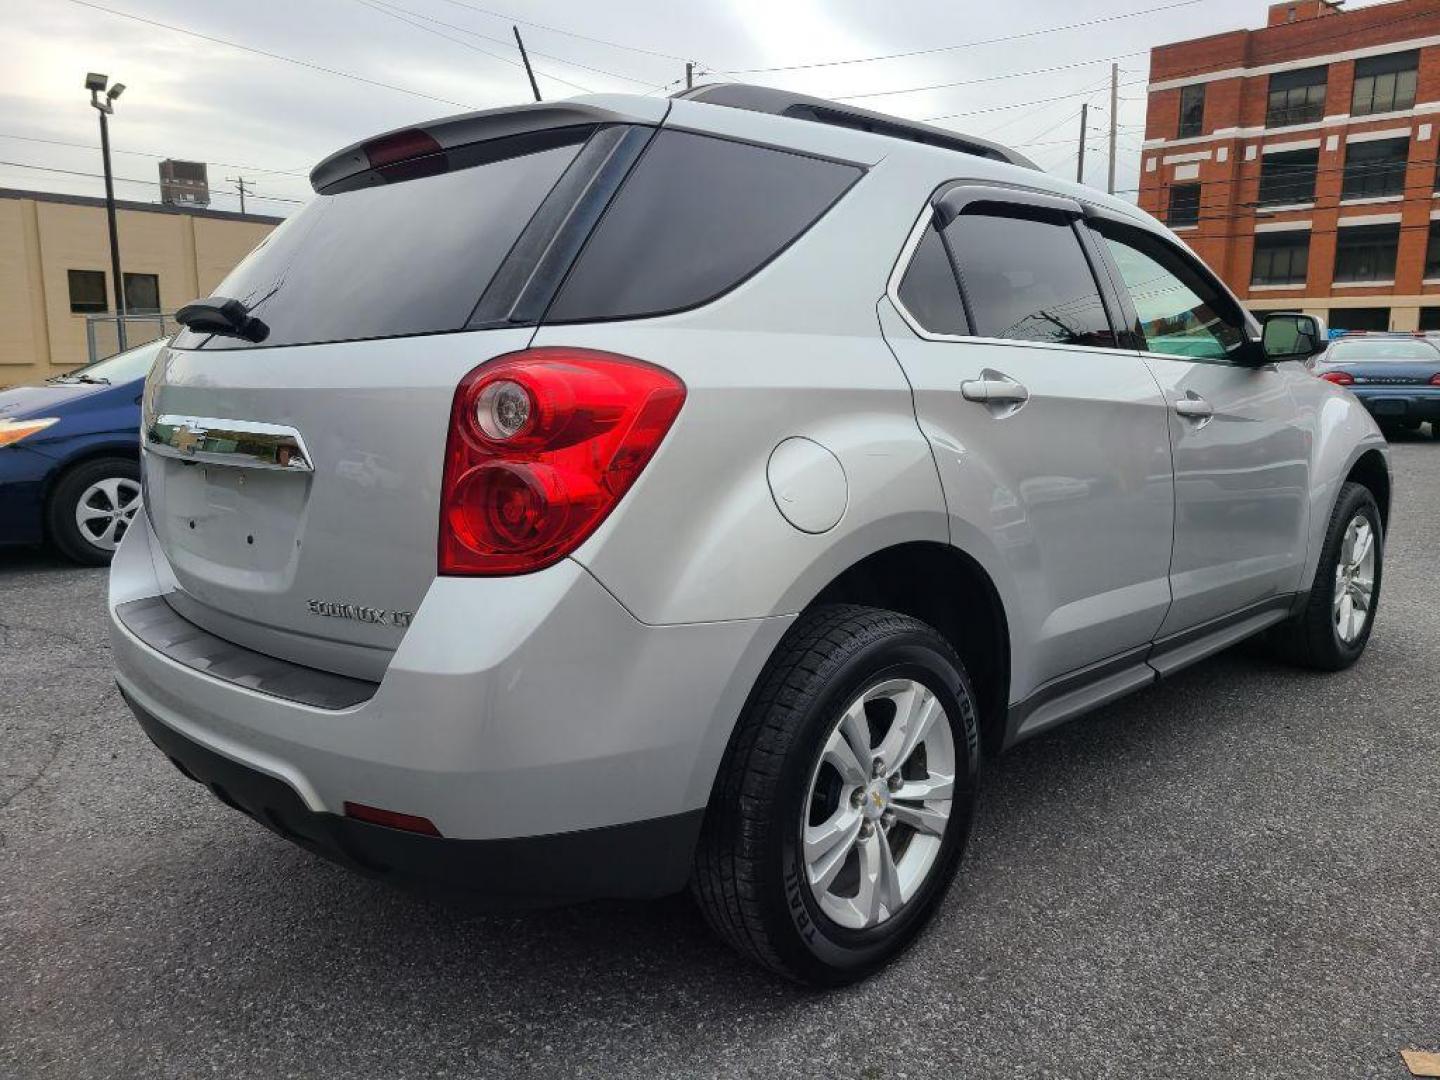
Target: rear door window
697, 216
395, 259
1026, 278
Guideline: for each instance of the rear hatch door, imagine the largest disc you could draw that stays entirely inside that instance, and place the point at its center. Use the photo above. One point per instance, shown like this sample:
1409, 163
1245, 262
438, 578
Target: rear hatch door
293, 482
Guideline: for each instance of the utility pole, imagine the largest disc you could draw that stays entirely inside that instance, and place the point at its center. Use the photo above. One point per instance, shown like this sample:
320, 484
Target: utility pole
1084, 130
689, 74
96, 85
1114, 109
534, 86
240, 182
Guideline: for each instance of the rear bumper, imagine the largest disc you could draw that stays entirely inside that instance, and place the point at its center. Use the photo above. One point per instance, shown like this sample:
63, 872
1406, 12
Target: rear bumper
647, 858
1398, 403
514, 709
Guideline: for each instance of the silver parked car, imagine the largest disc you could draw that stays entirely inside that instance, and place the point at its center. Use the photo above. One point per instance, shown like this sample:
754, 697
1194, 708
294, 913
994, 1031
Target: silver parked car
597, 498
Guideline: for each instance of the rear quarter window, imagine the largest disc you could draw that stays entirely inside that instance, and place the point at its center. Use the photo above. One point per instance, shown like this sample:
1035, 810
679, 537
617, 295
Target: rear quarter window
697, 217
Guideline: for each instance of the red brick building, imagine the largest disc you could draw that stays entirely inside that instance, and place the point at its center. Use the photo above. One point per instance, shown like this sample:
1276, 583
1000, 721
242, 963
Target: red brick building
1299, 160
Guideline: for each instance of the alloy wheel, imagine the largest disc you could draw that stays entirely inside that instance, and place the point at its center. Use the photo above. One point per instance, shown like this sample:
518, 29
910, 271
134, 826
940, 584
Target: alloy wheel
1354, 579
878, 803
105, 510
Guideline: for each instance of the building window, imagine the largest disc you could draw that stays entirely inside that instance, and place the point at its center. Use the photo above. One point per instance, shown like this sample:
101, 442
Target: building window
1385, 83
1192, 111
87, 291
1280, 258
1360, 318
1184, 205
1375, 169
1288, 177
1432, 253
142, 294
1366, 253
1296, 97
1430, 318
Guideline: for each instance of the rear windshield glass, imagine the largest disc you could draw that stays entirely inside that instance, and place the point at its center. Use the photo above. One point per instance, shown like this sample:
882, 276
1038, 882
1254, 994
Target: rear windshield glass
1350, 352
397, 259
697, 217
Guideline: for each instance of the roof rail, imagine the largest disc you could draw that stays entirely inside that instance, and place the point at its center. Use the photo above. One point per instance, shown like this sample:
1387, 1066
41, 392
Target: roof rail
768, 99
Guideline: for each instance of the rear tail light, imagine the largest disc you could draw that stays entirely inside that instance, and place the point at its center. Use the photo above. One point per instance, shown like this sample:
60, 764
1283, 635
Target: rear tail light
1435, 380
542, 445
1340, 378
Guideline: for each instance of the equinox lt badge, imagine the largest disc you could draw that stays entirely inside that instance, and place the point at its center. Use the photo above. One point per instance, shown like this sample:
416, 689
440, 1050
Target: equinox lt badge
332, 609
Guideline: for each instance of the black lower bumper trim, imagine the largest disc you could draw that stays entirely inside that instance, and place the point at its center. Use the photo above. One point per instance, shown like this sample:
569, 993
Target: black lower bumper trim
636, 860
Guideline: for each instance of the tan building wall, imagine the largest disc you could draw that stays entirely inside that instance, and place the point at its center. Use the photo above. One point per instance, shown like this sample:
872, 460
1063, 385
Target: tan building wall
43, 236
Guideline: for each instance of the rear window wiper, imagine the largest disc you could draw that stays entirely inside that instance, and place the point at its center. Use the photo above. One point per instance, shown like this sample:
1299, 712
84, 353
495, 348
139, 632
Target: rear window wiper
222, 315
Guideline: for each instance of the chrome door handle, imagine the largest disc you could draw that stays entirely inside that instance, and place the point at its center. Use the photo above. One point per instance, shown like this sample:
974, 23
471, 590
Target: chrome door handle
993, 387
1194, 408
241, 443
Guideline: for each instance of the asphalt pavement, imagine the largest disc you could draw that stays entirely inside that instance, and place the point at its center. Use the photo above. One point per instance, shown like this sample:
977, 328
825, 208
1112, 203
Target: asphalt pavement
1235, 874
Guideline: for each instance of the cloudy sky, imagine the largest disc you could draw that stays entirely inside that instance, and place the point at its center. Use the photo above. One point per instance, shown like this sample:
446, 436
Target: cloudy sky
201, 86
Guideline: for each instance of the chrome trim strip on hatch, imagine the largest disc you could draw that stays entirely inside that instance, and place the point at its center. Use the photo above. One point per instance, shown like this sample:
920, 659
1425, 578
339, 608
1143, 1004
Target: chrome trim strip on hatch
245, 444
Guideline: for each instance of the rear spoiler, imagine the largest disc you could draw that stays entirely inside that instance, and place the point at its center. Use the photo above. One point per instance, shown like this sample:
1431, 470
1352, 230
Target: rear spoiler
393, 148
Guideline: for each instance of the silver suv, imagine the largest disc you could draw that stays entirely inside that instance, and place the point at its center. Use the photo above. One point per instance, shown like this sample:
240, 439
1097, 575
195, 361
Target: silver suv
597, 498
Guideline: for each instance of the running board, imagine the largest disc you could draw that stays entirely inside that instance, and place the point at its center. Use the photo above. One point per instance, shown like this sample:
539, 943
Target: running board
1099, 684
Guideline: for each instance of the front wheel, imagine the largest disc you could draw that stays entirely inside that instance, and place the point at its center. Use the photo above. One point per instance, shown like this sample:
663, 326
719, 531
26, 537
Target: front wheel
844, 801
1332, 630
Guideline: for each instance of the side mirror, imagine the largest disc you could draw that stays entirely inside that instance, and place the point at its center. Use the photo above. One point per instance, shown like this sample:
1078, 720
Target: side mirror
1290, 336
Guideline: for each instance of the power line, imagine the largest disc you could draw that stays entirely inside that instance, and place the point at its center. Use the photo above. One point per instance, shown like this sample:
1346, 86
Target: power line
385, 10
500, 41
1015, 104
272, 55
985, 79
567, 33
126, 179
298, 173
962, 45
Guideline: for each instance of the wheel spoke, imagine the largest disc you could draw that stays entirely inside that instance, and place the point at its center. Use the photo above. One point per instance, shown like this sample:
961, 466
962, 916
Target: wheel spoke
920, 818
841, 755
930, 787
827, 847
915, 712
879, 895
1364, 540
106, 539
855, 730
85, 513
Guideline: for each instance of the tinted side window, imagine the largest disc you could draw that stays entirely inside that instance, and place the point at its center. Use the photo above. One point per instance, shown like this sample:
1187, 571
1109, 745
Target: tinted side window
1027, 279
1181, 312
929, 291
696, 217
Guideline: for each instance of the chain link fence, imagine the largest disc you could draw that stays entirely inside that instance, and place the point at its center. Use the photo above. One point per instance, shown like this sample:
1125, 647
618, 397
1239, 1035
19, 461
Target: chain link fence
102, 332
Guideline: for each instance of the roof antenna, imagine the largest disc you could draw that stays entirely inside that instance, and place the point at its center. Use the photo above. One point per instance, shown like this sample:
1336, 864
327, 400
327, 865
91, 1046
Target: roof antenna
534, 86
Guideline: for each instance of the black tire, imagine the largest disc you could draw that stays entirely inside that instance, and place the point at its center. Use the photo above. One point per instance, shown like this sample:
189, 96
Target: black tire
748, 876
60, 524
1309, 638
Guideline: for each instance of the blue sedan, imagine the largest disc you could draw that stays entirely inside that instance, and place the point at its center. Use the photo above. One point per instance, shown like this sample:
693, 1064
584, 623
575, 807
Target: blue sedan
70, 457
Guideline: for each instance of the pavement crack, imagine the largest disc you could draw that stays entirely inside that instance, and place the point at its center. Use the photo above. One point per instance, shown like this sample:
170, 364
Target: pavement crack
55, 742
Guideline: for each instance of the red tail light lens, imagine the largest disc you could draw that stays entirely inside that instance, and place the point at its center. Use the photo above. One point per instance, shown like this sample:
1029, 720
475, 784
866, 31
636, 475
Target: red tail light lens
1339, 378
543, 444
1435, 380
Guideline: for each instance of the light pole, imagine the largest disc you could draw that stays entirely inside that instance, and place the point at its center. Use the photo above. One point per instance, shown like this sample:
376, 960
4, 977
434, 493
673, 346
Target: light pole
96, 83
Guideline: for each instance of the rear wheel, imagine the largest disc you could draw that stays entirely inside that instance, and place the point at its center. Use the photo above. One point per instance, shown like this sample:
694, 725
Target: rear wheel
91, 508
844, 801
1334, 627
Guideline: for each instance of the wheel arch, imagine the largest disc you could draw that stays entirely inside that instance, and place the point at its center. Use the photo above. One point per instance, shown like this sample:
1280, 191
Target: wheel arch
1373, 472
85, 454
941, 585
